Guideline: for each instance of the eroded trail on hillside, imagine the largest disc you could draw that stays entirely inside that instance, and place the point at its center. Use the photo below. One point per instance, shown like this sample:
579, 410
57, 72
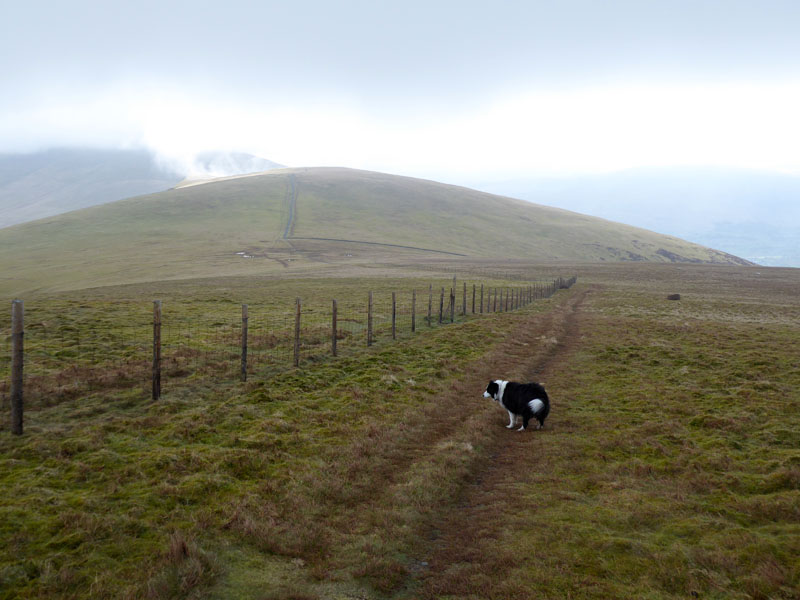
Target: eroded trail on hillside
461, 542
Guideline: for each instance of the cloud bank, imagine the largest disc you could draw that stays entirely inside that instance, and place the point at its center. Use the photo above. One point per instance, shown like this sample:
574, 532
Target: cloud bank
587, 130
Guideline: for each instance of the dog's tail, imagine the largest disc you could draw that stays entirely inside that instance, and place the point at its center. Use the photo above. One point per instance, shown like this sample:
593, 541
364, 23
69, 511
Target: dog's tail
536, 405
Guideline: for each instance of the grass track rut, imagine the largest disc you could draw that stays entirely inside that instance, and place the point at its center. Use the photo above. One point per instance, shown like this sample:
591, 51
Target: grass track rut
478, 518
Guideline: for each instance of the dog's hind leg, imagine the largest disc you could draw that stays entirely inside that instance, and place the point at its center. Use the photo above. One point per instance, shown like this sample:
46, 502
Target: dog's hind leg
526, 416
512, 420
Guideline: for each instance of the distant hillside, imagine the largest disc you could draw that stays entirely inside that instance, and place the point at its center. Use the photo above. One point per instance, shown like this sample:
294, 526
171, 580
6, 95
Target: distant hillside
752, 214
51, 182
319, 218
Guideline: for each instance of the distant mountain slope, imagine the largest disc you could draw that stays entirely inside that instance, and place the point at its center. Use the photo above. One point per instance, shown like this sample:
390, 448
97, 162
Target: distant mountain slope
753, 214
297, 218
51, 182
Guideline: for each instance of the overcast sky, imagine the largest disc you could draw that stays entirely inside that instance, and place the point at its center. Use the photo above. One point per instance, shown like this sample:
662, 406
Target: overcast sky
450, 90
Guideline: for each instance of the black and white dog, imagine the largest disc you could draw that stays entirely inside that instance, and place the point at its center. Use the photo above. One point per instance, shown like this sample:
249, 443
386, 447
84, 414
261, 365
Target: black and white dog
528, 400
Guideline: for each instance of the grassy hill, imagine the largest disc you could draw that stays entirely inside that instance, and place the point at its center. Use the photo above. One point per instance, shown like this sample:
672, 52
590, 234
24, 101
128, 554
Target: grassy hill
51, 182
295, 219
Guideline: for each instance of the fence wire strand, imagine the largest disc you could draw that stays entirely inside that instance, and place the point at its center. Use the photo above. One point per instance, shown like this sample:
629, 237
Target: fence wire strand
108, 345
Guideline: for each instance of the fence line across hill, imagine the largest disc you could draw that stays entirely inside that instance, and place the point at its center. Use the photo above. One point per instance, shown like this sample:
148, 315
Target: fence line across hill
68, 356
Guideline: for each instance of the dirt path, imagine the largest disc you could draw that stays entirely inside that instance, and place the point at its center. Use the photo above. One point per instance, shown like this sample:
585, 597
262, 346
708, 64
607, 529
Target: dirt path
467, 532
291, 198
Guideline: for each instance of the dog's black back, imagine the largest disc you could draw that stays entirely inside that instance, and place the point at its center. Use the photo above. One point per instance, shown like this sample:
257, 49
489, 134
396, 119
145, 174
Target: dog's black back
517, 398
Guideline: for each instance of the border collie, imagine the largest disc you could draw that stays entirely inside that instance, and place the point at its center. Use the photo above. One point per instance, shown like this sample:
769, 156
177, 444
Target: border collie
528, 400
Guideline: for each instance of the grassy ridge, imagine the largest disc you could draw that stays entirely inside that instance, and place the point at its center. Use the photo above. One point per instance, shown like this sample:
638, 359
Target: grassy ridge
197, 231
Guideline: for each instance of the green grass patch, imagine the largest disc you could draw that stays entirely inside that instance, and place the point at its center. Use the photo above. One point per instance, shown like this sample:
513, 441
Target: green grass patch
672, 467
109, 494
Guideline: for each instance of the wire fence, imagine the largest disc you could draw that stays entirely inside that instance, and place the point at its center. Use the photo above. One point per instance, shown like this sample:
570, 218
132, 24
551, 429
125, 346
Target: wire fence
90, 347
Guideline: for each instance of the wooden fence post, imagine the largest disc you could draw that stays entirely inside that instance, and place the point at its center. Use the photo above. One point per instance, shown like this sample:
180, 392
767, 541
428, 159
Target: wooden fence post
430, 303
481, 298
464, 303
473, 297
494, 304
394, 315
156, 349
413, 310
334, 315
245, 316
441, 306
17, 364
369, 320
452, 305
297, 311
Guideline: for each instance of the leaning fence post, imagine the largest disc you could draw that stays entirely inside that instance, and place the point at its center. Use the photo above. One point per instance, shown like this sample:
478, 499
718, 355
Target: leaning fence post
413, 311
369, 320
17, 364
394, 315
297, 312
244, 342
334, 316
156, 349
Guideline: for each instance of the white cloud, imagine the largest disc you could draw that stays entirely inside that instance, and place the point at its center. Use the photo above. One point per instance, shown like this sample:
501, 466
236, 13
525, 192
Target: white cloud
538, 132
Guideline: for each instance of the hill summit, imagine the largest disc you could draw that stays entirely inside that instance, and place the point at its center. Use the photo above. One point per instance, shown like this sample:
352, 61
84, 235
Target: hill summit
293, 219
